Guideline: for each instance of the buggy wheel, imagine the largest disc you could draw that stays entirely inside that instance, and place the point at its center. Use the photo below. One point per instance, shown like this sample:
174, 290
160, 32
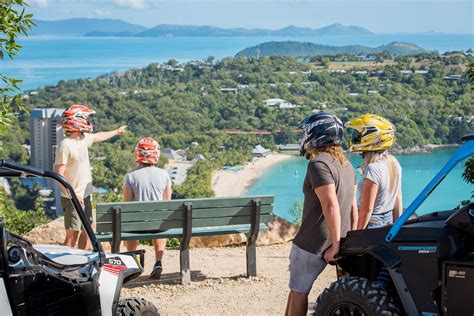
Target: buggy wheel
356, 297
136, 306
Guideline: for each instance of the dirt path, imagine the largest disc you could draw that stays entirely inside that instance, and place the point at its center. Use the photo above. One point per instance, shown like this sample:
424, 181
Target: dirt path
219, 285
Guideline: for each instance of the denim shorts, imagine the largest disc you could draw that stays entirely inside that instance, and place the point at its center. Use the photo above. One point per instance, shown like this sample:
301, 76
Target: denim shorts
379, 220
305, 268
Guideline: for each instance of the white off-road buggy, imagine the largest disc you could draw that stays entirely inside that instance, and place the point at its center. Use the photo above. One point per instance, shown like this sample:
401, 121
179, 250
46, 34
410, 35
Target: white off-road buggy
58, 280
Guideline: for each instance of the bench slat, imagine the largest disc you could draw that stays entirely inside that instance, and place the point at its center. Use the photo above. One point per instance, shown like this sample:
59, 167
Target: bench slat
177, 232
139, 216
178, 204
169, 224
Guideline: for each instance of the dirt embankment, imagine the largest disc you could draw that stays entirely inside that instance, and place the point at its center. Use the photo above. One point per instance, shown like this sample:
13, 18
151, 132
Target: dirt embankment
219, 285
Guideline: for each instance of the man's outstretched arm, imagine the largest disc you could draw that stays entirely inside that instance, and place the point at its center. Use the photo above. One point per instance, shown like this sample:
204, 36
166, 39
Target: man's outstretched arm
103, 136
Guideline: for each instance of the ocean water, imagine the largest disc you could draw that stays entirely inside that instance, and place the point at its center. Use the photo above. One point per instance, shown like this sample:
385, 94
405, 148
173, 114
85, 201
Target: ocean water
46, 60
285, 182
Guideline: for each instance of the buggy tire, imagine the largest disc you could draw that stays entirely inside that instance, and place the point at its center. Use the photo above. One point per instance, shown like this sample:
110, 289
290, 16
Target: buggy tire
136, 306
355, 293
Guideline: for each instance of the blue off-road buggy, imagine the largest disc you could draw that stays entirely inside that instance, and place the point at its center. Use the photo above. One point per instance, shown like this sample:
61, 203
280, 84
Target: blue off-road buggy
428, 262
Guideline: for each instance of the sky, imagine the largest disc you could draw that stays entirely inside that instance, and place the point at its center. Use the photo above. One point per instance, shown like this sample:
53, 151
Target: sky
378, 16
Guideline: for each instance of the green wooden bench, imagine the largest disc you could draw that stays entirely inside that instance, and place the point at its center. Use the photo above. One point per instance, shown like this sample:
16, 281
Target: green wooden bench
184, 219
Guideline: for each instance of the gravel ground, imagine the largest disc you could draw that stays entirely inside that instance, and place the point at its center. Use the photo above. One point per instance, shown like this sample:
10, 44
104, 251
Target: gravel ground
219, 285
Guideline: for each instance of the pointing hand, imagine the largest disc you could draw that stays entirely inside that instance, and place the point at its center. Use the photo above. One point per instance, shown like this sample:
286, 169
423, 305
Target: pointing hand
121, 130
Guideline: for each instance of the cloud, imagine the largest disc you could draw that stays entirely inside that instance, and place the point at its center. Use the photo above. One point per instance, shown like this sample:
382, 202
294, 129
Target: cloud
41, 3
101, 13
134, 4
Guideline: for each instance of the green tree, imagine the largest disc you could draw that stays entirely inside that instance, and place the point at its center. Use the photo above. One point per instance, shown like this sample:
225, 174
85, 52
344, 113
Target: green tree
13, 23
468, 174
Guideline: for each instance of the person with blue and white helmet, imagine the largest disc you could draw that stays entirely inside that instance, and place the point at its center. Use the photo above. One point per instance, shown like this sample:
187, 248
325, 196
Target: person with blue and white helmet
329, 209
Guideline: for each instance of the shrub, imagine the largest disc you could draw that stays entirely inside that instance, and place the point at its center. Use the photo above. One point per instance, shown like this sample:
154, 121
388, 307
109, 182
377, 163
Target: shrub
297, 211
18, 221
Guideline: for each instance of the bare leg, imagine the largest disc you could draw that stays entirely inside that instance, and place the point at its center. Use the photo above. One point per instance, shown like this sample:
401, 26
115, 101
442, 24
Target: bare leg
131, 245
71, 238
160, 245
297, 304
83, 240
287, 310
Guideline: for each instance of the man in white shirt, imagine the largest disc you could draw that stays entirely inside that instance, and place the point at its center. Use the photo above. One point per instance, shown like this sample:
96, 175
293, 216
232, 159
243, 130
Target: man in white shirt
72, 162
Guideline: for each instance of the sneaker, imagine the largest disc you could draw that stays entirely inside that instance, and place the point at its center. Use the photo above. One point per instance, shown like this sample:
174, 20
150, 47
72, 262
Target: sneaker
156, 272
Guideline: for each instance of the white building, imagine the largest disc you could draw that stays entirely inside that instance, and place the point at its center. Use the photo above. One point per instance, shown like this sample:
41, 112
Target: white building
280, 103
259, 151
177, 174
273, 102
46, 133
173, 154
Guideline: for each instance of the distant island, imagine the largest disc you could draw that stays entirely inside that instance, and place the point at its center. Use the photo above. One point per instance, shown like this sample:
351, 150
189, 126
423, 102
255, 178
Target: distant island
119, 28
299, 49
82, 26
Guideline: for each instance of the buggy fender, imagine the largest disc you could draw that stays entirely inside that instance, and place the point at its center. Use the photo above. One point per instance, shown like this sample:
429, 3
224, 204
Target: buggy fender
116, 269
4, 301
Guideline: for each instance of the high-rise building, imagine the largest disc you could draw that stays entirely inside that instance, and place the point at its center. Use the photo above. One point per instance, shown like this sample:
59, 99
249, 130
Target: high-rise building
45, 135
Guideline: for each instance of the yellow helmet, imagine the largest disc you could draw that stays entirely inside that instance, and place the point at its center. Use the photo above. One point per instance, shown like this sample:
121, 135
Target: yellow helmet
373, 133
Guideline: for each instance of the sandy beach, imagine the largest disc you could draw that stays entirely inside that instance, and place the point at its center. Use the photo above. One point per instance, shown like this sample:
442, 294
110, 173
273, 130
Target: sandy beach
232, 183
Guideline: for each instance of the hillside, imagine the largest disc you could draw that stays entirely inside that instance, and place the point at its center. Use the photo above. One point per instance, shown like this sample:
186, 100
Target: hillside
119, 28
290, 31
81, 26
197, 102
298, 49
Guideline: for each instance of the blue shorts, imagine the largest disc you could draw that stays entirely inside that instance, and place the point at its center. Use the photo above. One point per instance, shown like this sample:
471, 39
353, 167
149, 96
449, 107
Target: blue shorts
379, 220
305, 267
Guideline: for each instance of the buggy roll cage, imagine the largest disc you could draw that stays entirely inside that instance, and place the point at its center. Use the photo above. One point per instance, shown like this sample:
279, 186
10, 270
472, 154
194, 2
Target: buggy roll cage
9, 168
464, 151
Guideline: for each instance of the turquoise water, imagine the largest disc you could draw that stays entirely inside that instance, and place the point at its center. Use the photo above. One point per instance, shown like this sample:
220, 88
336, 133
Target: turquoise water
285, 182
46, 60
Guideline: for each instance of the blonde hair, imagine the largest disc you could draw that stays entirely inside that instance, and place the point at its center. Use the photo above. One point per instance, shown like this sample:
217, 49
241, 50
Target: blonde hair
374, 156
334, 151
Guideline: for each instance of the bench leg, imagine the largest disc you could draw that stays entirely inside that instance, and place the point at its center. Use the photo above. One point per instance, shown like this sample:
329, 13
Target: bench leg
116, 229
184, 249
251, 260
252, 238
184, 266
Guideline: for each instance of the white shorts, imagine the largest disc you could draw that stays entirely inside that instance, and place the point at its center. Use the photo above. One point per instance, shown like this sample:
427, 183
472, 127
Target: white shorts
305, 267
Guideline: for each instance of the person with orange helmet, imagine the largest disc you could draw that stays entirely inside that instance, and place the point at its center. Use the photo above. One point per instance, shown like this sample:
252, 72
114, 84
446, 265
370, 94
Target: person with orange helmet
147, 182
72, 162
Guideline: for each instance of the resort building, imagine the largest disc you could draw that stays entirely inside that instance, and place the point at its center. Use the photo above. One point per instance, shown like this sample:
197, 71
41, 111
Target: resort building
259, 151
289, 147
171, 154
280, 103
198, 158
229, 90
45, 134
177, 174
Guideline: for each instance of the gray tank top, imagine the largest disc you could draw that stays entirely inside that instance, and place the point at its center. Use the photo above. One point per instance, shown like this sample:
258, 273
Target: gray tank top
379, 173
147, 183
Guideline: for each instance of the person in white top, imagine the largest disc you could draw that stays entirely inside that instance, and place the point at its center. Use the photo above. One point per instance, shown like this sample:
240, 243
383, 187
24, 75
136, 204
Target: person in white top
72, 162
146, 182
380, 190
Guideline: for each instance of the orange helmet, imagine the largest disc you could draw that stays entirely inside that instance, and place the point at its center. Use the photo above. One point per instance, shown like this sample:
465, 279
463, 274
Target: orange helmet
75, 119
147, 151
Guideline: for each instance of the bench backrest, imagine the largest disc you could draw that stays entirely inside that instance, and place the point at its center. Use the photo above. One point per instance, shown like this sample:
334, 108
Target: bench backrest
161, 215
